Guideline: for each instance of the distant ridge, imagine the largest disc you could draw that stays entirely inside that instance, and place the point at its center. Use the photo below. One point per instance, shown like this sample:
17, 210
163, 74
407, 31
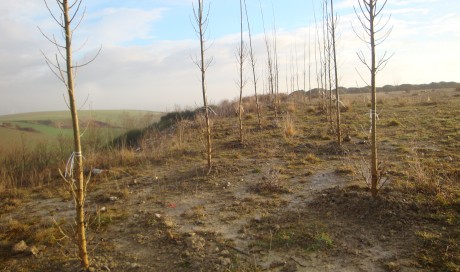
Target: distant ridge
391, 88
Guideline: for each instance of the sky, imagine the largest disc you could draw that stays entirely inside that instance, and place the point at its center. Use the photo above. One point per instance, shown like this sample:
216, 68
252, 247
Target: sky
149, 49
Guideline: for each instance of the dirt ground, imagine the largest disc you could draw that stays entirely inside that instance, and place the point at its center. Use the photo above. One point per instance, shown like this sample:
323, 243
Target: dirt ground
277, 205
222, 223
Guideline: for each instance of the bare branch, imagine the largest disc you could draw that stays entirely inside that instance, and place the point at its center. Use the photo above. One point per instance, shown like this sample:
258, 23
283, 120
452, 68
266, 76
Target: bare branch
51, 65
65, 101
52, 14
361, 57
382, 63
384, 37
79, 21
91, 60
76, 12
379, 10
379, 29
53, 41
74, 3
362, 78
357, 35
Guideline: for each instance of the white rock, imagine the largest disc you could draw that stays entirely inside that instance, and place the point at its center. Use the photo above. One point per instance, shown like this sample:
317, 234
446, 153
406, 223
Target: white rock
33, 250
20, 247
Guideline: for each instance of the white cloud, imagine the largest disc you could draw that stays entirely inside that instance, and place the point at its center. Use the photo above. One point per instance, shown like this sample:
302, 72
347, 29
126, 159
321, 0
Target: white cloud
116, 26
137, 70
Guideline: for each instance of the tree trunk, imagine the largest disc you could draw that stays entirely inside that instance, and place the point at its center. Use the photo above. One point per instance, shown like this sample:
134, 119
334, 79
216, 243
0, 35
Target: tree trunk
337, 102
329, 70
203, 83
241, 62
80, 193
374, 174
253, 65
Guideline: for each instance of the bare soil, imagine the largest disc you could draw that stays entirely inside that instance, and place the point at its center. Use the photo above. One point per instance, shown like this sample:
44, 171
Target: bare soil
272, 204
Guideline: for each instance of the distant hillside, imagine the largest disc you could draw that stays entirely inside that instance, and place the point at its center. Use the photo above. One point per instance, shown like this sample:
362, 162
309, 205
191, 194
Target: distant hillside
35, 127
391, 88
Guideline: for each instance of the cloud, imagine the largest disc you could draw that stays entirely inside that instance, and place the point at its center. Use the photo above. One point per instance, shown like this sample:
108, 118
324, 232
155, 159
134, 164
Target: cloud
118, 26
139, 70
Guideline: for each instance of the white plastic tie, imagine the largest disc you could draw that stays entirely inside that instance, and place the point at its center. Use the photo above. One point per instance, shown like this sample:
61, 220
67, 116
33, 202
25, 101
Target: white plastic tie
371, 112
70, 164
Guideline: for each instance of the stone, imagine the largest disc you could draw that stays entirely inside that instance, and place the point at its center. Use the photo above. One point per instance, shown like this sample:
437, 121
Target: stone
135, 265
20, 247
225, 253
195, 242
225, 261
33, 250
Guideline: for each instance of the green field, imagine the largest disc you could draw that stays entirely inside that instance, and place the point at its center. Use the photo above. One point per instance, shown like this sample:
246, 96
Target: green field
37, 127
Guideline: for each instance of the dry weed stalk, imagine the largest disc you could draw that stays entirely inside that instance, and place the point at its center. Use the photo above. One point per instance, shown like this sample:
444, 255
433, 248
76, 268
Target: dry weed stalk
366, 174
430, 177
289, 126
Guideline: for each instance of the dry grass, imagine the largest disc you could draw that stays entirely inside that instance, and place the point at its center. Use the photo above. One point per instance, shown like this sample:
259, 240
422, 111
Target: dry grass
288, 126
427, 175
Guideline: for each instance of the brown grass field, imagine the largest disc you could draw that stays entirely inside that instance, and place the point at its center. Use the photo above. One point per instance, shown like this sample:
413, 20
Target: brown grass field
288, 199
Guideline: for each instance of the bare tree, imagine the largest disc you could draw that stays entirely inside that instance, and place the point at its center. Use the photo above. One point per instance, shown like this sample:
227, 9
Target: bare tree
333, 25
241, 58
253, 66
328, 54
201, 27
317, 49
320, 71
309, 64
68, 20
324, 64
276, 64
272, 64
269, 56
305, 64
375, 32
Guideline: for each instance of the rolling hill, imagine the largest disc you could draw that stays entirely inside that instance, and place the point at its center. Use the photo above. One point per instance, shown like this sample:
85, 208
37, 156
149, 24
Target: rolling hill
35, 127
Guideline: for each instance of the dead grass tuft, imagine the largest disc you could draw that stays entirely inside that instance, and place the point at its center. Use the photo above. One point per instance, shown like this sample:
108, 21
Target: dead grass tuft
270, 184
289, 126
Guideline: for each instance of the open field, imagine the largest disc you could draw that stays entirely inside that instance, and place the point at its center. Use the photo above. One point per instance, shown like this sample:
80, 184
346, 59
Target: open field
288, 199
38, 127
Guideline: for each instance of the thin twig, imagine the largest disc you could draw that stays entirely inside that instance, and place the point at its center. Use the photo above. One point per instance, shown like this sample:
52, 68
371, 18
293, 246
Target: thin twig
238, 250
